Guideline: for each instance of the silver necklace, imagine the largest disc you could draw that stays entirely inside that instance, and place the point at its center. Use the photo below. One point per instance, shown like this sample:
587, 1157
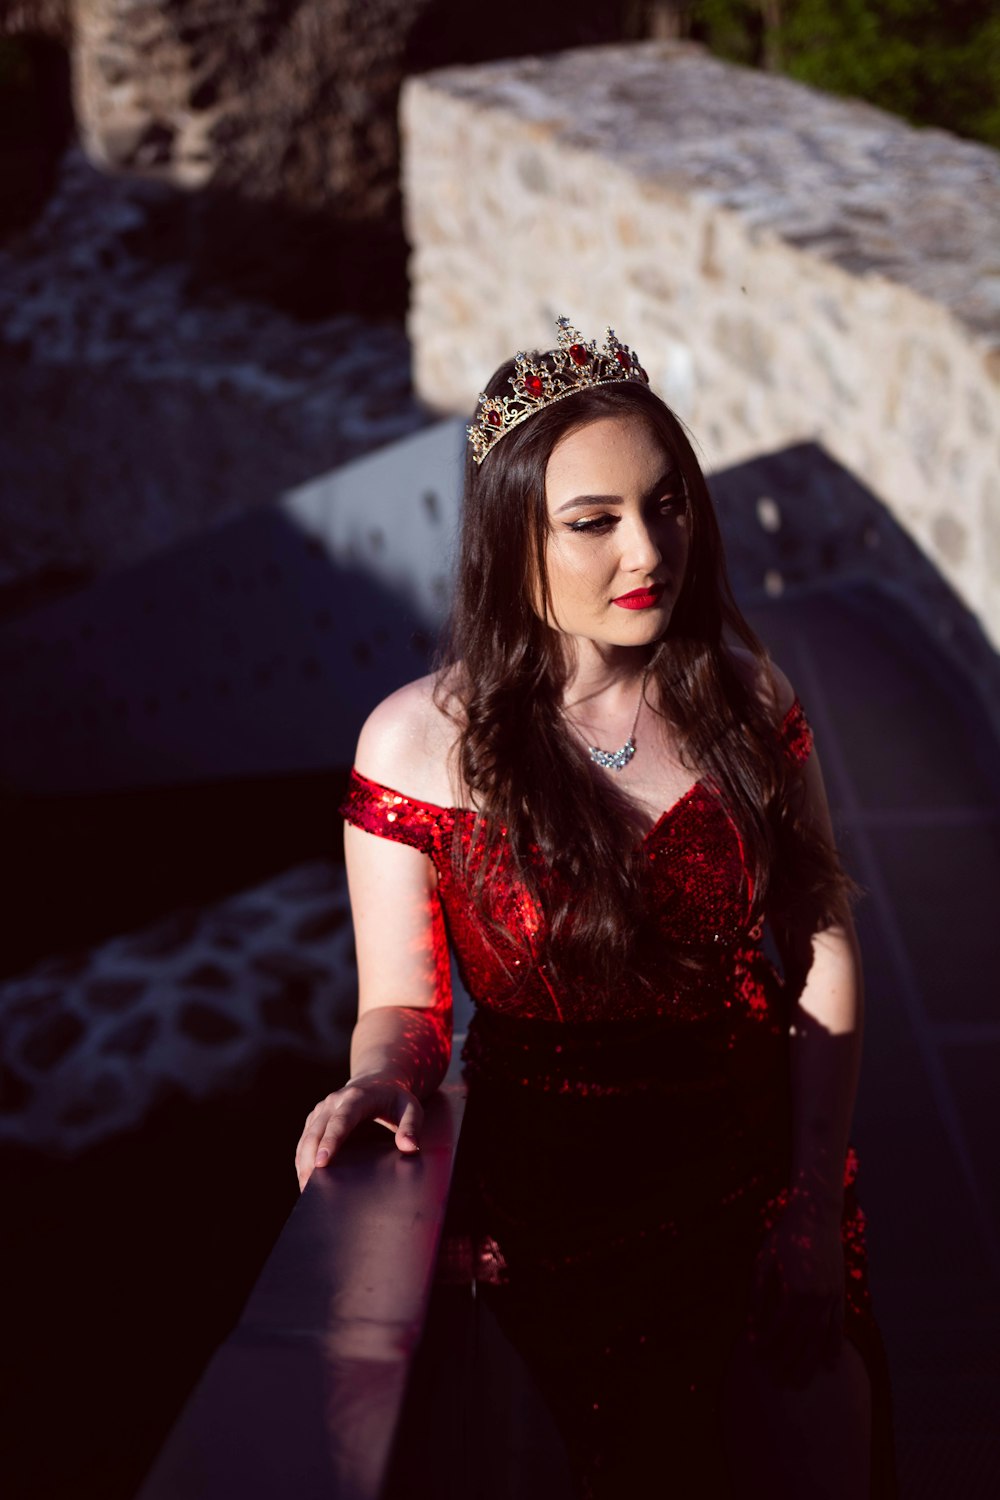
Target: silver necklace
617, 760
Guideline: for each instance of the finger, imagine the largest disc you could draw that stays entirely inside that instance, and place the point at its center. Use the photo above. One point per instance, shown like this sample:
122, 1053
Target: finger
305, 1151
405, 1120
322, 1139
410, 1125
306, 1155
349, 1108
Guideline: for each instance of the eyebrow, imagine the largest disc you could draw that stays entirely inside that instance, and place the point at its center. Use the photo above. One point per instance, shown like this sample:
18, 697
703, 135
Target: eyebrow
668, 477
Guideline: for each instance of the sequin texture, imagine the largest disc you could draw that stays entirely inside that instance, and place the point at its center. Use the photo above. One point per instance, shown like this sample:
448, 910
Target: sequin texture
700, 895
622, 1155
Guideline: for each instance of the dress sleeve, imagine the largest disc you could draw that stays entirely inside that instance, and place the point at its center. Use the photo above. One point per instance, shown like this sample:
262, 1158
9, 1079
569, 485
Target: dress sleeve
795, 734
388, 813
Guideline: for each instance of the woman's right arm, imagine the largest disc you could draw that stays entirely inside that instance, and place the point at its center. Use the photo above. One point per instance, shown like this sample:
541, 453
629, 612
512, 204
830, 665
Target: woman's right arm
401, 1044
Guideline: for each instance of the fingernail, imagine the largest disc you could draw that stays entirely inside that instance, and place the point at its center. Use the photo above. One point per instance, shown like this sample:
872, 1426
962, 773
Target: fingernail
322, 1157
408, 1139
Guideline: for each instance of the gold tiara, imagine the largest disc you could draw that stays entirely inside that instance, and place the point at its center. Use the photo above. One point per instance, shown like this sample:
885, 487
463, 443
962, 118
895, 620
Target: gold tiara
537, 382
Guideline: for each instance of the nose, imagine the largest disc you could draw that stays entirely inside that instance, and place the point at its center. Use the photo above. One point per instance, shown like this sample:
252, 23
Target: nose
642, 546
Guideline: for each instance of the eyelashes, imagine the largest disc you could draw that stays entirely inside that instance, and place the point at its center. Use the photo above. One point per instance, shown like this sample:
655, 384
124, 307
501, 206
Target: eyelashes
600, 525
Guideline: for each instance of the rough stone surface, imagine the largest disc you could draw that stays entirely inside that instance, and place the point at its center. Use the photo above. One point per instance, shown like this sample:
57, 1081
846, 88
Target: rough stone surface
136, 414
112, 995
789, 266
49, 18
77, 1071
50, 1040
213, 1028
132, 1039
278, 118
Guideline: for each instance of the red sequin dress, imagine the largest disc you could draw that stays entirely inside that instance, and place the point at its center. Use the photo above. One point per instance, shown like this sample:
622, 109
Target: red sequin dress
621, 1157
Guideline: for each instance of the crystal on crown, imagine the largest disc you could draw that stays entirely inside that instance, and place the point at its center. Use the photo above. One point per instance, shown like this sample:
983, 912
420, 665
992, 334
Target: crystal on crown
538, 381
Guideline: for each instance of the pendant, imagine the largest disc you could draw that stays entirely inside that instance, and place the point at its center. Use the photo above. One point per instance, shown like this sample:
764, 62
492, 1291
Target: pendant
613, 760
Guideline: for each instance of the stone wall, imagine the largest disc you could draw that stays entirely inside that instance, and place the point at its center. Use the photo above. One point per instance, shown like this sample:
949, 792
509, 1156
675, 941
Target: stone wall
278, 120
791, 267
137, 416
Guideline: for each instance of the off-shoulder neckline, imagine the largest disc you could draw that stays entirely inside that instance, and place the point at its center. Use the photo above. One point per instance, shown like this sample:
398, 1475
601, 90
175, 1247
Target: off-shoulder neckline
470, 812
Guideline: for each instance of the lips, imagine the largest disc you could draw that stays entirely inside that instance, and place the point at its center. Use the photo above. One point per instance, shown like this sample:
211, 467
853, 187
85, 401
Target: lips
639, 598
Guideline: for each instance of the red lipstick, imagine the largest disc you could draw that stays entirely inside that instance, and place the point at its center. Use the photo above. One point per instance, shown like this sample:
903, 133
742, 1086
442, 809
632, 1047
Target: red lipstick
639, 598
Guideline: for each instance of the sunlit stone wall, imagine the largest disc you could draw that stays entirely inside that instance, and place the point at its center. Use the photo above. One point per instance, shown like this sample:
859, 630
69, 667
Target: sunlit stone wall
789, 266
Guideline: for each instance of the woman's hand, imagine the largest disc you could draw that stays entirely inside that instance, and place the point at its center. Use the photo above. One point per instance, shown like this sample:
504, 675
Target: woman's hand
369, 1096
796, 1322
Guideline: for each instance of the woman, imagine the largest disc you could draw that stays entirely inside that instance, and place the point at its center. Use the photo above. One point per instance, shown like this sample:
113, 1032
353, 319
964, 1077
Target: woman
654, 1181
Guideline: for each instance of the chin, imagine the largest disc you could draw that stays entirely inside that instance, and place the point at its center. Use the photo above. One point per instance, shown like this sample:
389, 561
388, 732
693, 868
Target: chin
644, 625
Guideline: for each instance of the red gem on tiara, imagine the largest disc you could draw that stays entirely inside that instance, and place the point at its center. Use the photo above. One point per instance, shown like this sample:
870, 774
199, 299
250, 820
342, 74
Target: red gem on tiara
532, 384
624, 359
494, 418
579, 354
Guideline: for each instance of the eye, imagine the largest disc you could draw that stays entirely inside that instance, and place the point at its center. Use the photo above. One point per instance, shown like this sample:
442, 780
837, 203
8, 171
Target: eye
596, 524
672, 504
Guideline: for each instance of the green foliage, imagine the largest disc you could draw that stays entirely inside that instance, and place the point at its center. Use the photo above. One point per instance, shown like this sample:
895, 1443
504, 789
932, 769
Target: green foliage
734, 29
936, 62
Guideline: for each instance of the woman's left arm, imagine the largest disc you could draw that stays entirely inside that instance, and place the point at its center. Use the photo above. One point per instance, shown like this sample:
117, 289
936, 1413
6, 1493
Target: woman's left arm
825, 1047
798, 1306
826, 1027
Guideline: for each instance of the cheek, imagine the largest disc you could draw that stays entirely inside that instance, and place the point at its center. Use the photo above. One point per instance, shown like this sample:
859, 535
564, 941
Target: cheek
573, 572
572, 583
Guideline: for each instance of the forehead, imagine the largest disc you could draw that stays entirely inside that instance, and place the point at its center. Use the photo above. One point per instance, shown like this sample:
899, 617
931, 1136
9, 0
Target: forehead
609, 456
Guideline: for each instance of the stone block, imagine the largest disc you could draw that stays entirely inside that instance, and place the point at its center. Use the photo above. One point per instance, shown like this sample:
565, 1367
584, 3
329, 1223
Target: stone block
790, 266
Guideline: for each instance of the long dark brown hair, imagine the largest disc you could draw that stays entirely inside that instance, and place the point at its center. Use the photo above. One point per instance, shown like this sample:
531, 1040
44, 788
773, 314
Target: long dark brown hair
572, 837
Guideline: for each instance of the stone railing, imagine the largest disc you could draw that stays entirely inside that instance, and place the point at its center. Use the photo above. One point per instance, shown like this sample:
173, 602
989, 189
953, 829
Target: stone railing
306, 1395
791, 267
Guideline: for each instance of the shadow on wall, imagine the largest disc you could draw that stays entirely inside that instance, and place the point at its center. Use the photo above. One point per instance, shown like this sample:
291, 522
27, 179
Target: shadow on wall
185, 729
310, 263
798, 519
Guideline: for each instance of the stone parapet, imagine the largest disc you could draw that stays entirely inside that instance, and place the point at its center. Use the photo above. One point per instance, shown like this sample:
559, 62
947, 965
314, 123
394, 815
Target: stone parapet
790, 266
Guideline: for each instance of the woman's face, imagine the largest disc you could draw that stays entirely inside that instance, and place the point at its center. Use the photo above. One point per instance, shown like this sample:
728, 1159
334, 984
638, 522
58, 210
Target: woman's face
618, 540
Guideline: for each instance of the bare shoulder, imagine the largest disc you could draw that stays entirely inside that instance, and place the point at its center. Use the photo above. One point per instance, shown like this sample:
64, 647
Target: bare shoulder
766, 680
406, 742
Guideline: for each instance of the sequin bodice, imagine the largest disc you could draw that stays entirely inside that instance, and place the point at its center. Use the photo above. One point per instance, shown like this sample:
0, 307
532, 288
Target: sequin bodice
700, 888
624, 1153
